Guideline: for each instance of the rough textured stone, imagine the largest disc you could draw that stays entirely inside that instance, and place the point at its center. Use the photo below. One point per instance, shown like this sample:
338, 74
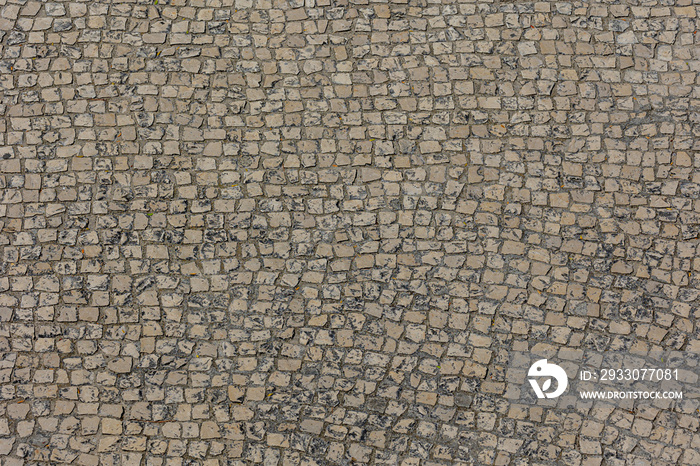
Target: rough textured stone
310, 232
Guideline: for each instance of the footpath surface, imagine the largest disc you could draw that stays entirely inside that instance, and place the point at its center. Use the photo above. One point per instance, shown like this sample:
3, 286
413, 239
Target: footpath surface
239, 232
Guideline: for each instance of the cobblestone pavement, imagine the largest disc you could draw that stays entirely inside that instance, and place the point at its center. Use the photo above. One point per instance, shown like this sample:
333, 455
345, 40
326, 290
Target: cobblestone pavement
241, 232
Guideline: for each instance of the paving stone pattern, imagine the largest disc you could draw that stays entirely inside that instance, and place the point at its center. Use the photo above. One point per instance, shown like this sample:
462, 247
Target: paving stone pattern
272, 232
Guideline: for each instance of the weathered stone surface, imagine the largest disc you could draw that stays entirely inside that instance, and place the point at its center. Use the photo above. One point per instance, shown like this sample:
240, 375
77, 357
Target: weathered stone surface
284, 232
